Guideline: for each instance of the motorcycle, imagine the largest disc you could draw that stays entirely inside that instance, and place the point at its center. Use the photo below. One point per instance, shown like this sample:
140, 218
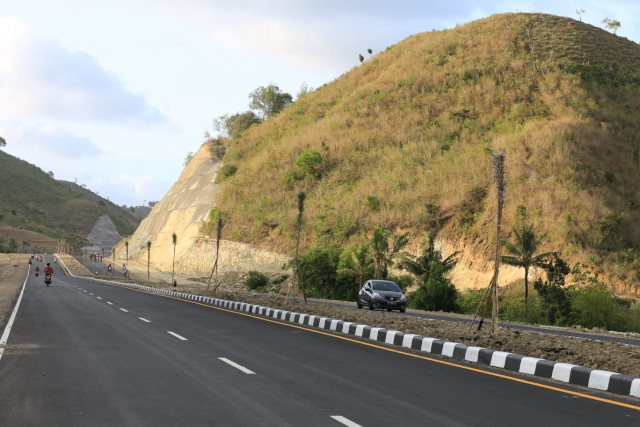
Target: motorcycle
47, 279
36, 274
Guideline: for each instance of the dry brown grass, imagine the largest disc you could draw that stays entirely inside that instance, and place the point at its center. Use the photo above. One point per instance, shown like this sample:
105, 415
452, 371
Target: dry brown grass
414, 125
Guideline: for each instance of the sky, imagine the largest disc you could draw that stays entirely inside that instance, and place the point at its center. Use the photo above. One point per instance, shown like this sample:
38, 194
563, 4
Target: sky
113, 94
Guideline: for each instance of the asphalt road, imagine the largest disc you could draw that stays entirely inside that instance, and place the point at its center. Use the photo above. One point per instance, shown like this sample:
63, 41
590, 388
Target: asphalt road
87, 354
101, 269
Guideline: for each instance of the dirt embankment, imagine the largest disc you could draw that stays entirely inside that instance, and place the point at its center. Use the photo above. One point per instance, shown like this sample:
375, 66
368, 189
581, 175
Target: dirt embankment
13, 271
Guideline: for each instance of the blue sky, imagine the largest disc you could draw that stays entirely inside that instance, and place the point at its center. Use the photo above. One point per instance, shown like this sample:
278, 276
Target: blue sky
114, 94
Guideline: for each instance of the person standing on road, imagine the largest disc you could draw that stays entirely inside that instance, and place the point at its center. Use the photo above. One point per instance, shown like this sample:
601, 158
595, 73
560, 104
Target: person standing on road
124, 270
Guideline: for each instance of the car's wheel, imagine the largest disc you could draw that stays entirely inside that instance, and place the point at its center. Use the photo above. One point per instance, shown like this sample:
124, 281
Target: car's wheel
370, 305
402, 310
358, 304
388, 309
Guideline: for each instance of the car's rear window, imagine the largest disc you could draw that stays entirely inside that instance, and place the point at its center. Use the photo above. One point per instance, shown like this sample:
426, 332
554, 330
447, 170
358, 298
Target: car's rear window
385, 285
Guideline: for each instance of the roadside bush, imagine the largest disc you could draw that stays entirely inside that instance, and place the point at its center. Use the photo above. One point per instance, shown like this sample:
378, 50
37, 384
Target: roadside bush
469, 301
256, 281
318, 269
596, 306
280, 279
437, 294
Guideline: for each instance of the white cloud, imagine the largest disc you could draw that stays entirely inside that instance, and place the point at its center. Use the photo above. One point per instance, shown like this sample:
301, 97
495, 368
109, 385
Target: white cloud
54, 142
129, 189
40, 77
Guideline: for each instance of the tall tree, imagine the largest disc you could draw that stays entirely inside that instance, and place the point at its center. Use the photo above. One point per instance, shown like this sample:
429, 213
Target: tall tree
3, 142
356, 262
420, 266
523, 253
382, 255
379, 248
269, 100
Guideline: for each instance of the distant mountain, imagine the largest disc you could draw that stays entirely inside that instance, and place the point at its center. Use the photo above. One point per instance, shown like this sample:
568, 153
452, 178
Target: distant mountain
31, 199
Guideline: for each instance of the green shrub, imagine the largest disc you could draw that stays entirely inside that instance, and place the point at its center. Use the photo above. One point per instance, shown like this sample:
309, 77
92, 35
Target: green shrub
256, 281
373, 202
280, 279
437, 294
309, 163
225, 172
470, 300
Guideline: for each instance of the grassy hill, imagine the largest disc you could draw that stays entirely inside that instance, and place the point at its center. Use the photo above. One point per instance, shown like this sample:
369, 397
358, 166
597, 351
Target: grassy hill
31, 200
406, 139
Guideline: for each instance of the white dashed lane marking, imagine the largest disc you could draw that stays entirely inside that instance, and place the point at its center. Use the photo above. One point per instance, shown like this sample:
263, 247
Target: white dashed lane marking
109, 302
347, 422
144, 320
235, 365
180, 337
122, 309
99, 297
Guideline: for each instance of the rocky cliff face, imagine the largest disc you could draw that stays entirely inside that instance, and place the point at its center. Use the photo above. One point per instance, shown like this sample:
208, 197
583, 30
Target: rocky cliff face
181, 211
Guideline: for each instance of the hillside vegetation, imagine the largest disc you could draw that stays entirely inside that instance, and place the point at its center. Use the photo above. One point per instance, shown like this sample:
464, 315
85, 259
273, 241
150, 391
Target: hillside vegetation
31, 199
406, 137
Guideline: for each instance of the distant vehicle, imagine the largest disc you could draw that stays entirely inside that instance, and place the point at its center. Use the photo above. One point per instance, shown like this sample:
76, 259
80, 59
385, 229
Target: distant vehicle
382, 294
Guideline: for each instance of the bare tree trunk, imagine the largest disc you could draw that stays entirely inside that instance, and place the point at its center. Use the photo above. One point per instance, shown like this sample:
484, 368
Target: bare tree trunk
498, 163
215, 264
301, 197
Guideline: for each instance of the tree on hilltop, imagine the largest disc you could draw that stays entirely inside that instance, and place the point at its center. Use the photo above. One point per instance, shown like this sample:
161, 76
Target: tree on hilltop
233, 125
269, 100
3, 142
611, 24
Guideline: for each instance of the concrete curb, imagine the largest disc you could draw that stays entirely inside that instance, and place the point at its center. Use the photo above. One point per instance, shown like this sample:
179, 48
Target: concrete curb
572, 374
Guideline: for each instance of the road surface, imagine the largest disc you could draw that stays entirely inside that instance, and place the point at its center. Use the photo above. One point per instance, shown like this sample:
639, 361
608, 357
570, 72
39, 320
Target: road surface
88, 354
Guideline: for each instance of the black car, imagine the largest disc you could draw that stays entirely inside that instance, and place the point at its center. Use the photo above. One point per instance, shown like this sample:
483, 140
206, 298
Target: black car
382, 294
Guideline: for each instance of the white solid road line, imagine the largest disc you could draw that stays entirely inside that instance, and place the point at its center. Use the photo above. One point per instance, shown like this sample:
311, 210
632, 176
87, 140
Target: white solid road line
144, 320
180, 337
7, 329
345, 421
122, 309
235, 365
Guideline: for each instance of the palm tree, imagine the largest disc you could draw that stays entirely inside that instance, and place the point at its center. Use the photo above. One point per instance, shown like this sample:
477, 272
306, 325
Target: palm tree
420, 266
360, 264
148, 258
174, 238
523, 254
379, 248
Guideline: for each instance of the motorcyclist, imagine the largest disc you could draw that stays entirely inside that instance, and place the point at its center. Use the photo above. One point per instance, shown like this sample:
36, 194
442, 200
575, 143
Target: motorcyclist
48, 271
37, 271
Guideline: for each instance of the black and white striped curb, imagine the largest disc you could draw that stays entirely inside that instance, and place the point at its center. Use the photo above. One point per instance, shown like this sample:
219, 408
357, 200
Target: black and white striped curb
564, 372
